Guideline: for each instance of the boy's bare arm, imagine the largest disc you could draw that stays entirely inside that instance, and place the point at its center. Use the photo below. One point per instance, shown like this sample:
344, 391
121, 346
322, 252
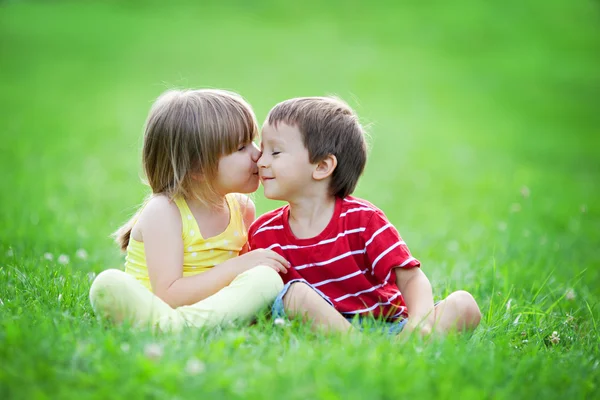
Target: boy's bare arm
418, 296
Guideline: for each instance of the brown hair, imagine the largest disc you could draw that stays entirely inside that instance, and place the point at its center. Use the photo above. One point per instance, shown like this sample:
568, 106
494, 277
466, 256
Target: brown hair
186, 133
328, 126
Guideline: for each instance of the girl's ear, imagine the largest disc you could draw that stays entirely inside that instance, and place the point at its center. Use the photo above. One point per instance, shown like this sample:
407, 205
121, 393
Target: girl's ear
325, 168
197, 177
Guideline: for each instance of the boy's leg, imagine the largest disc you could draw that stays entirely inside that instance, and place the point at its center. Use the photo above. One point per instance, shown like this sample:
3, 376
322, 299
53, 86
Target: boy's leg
301, 301
118, 296
241, 300
458, 311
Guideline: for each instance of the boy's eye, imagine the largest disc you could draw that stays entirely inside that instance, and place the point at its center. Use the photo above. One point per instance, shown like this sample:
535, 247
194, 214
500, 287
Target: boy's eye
242, 147
275, 153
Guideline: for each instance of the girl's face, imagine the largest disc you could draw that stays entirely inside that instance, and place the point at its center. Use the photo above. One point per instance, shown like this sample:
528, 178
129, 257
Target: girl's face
237, 171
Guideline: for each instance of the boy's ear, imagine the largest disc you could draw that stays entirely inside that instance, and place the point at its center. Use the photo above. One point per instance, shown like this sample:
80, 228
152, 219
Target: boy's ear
325, 168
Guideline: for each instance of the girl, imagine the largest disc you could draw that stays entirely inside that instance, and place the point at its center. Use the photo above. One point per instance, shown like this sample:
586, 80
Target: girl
182, 266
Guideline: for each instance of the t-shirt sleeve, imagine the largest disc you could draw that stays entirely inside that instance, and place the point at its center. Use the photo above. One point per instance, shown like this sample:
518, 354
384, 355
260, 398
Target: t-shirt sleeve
385, 249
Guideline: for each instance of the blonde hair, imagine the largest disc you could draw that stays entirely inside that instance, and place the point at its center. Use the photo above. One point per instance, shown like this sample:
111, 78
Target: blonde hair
186, 133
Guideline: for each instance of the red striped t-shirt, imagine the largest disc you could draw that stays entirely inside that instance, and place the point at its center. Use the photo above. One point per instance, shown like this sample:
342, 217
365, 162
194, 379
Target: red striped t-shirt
351, 261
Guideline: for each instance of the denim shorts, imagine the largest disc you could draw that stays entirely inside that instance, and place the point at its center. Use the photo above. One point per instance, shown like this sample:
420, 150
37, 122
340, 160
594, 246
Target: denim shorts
365, 324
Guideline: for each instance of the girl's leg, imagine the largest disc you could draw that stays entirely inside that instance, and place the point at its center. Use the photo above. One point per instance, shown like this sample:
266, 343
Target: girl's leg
241, 300
458, 311
301, 301
118, 297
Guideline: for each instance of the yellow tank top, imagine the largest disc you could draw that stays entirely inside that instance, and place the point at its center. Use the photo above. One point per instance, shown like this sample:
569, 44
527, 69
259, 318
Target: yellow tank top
199, 254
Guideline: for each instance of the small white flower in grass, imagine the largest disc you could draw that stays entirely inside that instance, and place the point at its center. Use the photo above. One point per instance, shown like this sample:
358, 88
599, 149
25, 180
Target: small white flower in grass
153, 351
569, 319
570, 295
81, 254
279, 322
125, 347
63, 259
554, 338
194, 367
508, 304
525, 191
515, 208
10, 253
59, 297
524, 341
48, 256
516, 321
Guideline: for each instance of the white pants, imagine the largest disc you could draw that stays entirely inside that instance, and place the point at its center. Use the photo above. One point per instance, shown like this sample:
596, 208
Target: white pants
118, 296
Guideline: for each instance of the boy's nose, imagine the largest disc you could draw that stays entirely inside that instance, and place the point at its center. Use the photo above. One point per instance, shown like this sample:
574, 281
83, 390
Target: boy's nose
261, 161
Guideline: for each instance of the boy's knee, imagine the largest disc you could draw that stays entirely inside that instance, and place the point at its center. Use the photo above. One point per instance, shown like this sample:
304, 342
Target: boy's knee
296, 293
468, 307
265, 279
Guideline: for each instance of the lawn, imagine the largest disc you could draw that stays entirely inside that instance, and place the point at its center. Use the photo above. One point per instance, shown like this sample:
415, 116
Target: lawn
485, 153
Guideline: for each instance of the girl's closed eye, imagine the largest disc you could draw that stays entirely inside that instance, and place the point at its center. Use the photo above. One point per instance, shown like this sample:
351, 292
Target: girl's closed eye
243, 146
274, 153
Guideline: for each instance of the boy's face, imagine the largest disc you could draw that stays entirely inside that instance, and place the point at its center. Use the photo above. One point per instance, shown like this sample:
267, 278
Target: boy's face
284, 168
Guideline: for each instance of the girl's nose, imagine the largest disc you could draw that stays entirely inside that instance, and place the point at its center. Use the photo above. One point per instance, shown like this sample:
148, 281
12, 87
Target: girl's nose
255, 152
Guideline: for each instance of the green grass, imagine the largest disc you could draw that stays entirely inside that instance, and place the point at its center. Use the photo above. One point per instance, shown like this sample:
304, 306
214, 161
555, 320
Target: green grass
485, 154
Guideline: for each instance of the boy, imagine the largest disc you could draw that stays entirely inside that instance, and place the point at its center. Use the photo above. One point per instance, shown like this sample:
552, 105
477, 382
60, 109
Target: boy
347, 259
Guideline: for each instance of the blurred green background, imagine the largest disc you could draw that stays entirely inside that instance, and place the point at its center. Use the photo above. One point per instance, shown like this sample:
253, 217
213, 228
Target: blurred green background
483, 117
466, 102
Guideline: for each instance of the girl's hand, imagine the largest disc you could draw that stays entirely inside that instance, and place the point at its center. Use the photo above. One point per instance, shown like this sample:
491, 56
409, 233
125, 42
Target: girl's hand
265, 257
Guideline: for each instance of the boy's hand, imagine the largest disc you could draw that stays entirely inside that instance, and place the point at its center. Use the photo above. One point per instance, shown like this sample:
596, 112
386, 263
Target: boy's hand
266, 257
423, 329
